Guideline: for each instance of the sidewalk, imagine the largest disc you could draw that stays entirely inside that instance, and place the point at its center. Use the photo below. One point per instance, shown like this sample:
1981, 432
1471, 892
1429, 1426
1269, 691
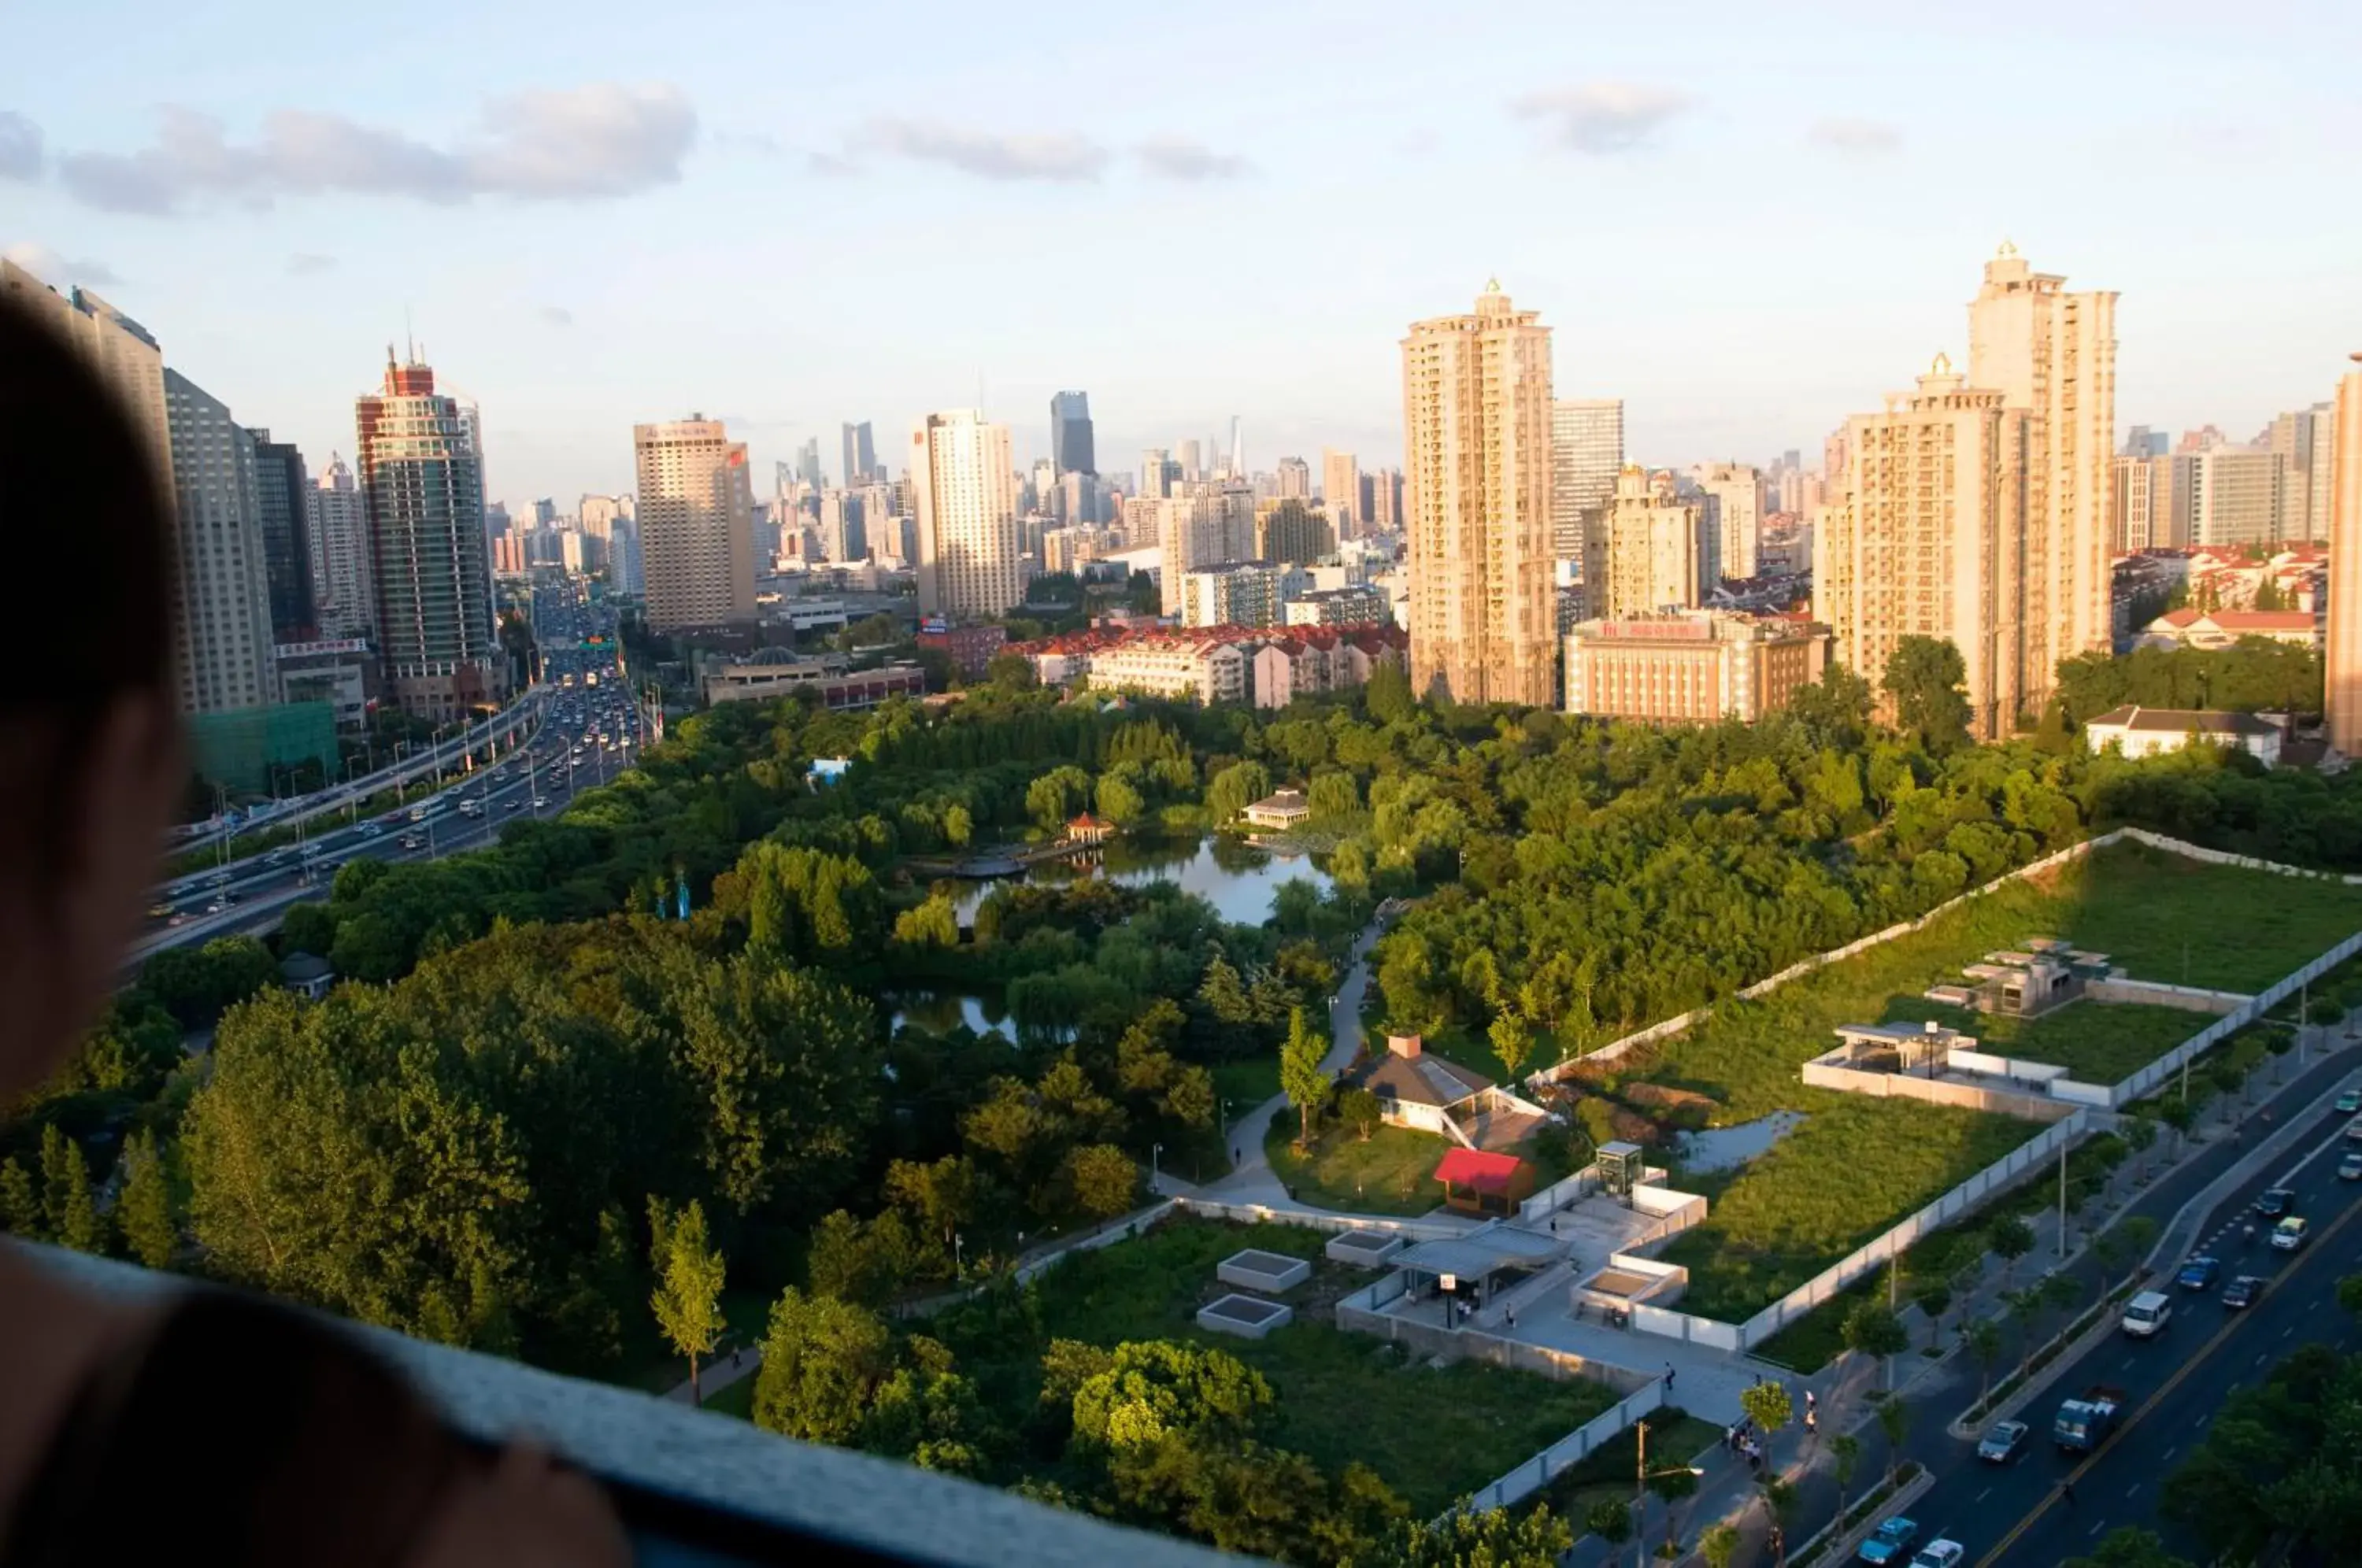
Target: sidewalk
1936, 1389
719, 1374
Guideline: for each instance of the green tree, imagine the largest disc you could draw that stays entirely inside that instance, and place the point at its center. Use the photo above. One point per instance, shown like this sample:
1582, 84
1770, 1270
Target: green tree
1153, 1388
1610, 1519
20, 1203
1496, 1538
66, 1202
1718, 1544
1982, 1336
2009, 1238
1013, 670
2129, 1546
2139, 1134
688, 1270
1234, 788
1845, 1455
1871, 1330
1300, 1077
1893, 1425
1358, 1108
1387, 695
143, 1211
822, 1360
1923, 678
1104, 1179
1513, 1040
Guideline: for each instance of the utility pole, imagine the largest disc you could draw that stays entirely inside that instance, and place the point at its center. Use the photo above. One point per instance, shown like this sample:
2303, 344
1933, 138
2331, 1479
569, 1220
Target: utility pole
2062, 1199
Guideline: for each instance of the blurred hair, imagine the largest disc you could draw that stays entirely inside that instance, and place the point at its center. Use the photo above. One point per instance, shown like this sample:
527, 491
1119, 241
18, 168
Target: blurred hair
78, 496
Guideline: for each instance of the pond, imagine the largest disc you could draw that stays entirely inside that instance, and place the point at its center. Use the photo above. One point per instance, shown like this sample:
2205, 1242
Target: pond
1728, 1148
938, 1010
1238, 879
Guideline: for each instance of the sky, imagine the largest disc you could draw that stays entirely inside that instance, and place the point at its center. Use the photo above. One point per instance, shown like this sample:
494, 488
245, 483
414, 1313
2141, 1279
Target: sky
1745, 220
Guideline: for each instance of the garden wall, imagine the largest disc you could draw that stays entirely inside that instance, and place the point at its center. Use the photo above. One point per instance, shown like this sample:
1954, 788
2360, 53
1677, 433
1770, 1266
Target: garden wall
1822, 1073
2156, 993
1533, 1475
2166, 1066
1364, 1312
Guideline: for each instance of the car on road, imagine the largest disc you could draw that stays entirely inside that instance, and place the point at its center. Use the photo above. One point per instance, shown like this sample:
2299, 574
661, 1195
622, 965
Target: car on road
2354, 1130
539, 802
372, 830
219, 905
276, 857
218, 879
2291, 1234
160, 911
411, 841
2147, 1313
2002, 1441
2350, 1167
2349, 1102
2275, 1202
179, 918
1941, 1554
181, 889
1889, 1542
2242, 1291
512, 805
2199, 1274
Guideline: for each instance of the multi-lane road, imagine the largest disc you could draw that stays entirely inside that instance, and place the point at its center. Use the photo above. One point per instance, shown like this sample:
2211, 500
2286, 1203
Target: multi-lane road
2017, 1515
589, 733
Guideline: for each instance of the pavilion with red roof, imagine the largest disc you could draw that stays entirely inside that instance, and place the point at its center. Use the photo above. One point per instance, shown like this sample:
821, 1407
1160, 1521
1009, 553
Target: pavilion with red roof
1477, 1183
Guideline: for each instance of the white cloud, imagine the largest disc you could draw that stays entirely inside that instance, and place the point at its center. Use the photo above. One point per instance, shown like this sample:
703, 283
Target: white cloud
55, 270
1856, 136
305, 264
1604, 117
20, 147
555, 315
1179, 157
1059, 156
602, 140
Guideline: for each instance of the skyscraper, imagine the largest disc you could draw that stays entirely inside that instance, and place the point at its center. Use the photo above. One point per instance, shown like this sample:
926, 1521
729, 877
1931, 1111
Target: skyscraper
1737, 492
2345, 662
226, 581
221, 635
1192, 466
1643, 552
2229, 496
341, 573
1586, 454
1928, 535
860, 456
1070, 434
283, 499
2304, 439
1340, 488
696, 513
1476, 430
2054, 353
808, 464
965, 493
1295, 479
421, 478
2140, 510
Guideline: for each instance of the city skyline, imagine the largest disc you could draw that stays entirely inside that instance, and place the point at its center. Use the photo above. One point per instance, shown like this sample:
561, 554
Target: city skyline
564, 344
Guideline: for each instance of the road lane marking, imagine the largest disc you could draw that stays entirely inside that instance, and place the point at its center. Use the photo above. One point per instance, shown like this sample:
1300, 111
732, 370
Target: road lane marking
2002, 1547
2171, 1452
1982, 1495
2132, 1488
2097, 1527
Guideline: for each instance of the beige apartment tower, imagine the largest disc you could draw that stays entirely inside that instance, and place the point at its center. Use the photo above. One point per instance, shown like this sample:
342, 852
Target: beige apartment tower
2054, 354
1641, 553
2344, 659
1340, 491
965, 494
1476, 434
697, 523
1737, 492
1929, 537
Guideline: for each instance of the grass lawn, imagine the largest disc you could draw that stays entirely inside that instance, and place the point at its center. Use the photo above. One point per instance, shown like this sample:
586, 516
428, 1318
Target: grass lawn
2159, 914
1246, 1084
2099, 1043
1432, 1435
1394, 1173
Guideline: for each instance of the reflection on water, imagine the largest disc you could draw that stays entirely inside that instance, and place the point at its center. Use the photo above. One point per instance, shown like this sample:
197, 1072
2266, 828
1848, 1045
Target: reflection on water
940, 1009
1237, 879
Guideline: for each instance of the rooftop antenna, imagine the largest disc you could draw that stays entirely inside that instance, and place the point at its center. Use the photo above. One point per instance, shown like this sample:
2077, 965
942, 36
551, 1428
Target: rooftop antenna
409, 341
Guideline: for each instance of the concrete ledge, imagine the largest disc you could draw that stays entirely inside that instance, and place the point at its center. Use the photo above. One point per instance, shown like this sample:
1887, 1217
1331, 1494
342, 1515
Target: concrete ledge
1248, 1317
1254, 1269
1362, 1249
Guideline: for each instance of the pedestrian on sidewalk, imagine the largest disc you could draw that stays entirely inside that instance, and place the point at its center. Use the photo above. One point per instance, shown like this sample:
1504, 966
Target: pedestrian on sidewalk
1811, 1402
1509, 1314
1812, 1421
1730, 1439
1668, 1377
2067, 1490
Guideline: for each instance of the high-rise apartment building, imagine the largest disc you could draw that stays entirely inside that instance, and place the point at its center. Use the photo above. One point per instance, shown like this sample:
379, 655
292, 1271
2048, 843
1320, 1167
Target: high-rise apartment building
1586, 454
1476, 430
966, 497
2229, 496
844, 535
2140, 508
1644, 554
1242, 593
2302, 440
1193, 464
2344, 669
808, 469
342, 577
1291, 531
1736, 491
1385, 512
860, 455
421, 472
222, 634
696, 513
224, 565
1155, 478
282, 502
1929, 535
1295, 479
1340, 491
2054, 354
1071, 449
1203, 524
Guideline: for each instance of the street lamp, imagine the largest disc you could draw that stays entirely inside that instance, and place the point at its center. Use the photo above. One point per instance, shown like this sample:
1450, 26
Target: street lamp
1153, 1151
1642, 1476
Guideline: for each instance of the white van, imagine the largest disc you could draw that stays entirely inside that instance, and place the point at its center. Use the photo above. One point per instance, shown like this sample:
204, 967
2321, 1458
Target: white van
2147, 1312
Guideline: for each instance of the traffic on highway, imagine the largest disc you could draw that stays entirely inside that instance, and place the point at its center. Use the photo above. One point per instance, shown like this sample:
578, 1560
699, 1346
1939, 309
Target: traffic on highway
2092, 1453
589, 731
